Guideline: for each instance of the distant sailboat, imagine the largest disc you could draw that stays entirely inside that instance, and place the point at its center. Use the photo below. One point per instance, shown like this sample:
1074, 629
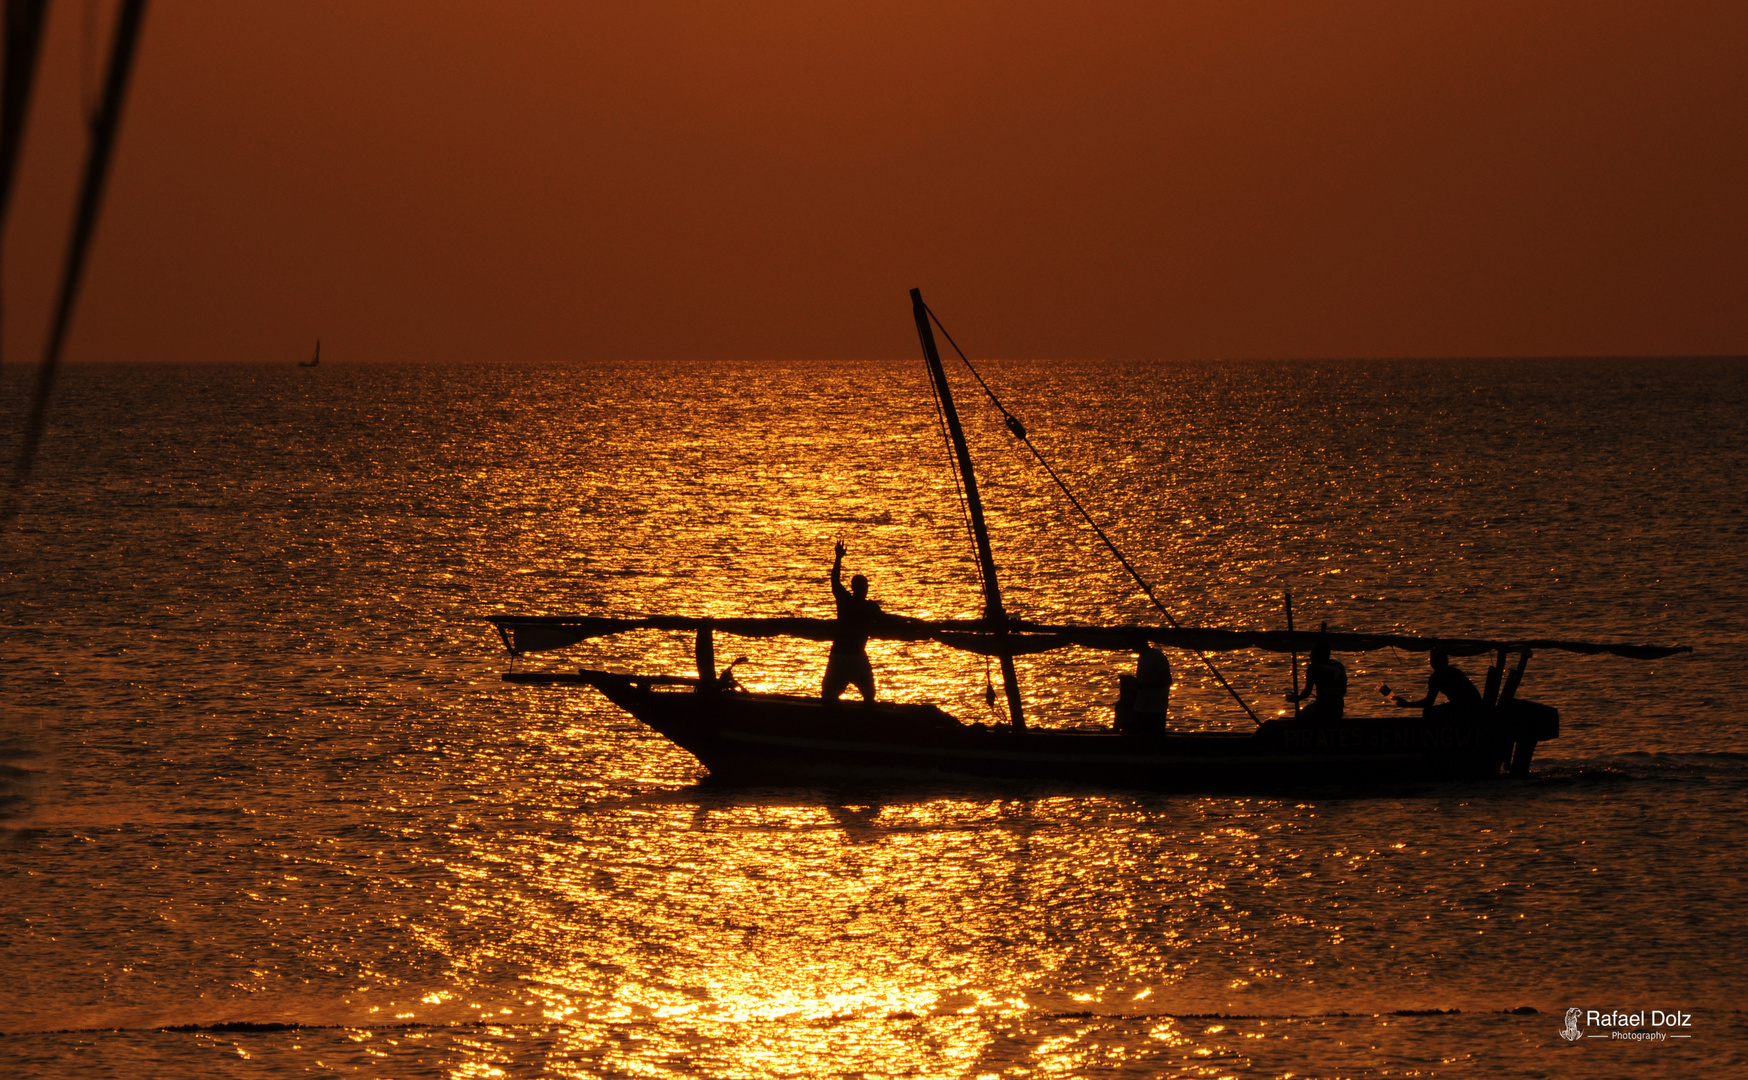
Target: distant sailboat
314, 360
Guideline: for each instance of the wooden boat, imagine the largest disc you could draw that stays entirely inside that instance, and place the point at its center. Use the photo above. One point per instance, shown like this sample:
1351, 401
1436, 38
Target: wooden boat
789, 738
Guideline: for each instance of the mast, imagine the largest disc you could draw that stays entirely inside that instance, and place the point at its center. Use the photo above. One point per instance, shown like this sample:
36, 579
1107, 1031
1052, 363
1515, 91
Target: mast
992, 609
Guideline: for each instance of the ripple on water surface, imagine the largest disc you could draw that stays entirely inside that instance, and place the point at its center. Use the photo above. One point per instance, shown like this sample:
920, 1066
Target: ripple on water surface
259, 768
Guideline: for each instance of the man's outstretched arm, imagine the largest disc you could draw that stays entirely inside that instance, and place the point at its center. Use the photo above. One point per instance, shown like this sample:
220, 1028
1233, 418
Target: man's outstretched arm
1431, 696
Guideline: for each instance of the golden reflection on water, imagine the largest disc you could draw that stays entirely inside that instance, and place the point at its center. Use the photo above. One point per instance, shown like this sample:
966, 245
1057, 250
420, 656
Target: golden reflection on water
768, 933
297, 791
759, 932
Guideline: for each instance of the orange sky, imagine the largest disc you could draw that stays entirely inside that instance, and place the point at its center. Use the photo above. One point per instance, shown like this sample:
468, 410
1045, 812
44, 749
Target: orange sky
465, 181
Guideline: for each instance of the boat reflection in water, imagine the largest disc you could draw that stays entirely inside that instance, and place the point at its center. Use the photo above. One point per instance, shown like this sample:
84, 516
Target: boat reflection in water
785, 738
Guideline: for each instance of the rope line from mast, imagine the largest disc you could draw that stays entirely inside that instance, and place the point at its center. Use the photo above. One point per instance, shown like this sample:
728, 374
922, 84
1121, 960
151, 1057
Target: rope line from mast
958, 485
965, 519
1018, 429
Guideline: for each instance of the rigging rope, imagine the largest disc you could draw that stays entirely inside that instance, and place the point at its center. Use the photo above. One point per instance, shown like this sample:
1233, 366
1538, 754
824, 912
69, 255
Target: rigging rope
958, 485
965, 516
1019, 432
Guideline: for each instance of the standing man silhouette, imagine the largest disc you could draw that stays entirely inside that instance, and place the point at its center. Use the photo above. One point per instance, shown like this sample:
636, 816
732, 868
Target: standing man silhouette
848, 662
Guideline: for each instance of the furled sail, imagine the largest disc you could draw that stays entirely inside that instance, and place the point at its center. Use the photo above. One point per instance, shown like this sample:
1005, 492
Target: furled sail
540, 633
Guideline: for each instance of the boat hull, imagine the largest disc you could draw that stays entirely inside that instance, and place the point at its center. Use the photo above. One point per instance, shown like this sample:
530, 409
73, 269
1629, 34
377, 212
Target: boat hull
788, 739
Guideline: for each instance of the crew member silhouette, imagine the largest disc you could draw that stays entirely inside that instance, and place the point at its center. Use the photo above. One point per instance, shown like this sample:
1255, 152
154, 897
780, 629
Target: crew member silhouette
1461, 697
1143, 697
1326, 680
848, 662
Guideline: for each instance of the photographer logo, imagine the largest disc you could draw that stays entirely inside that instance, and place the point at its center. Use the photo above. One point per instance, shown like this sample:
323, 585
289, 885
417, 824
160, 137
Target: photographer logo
1643, 1025
1570, 1032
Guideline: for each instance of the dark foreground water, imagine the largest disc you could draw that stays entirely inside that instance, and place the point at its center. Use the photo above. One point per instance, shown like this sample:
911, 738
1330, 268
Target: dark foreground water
258, 768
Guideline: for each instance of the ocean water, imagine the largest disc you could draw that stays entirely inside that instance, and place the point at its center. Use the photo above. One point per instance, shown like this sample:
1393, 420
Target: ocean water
266, 807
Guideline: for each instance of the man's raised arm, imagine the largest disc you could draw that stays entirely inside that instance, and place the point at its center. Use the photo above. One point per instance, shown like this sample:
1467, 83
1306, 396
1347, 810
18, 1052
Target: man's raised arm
838, 589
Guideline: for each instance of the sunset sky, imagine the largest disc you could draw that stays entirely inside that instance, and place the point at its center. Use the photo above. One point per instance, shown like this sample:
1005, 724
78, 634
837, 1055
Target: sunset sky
557, 181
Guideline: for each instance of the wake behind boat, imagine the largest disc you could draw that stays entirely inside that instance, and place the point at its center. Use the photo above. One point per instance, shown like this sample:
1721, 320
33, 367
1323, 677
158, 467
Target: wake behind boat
789, 738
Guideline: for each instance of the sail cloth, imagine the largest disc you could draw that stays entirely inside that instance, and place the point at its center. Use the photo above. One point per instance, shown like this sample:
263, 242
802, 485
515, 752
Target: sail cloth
540, 633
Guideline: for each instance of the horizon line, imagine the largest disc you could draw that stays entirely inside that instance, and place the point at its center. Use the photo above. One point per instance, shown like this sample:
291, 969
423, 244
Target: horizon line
1503, 357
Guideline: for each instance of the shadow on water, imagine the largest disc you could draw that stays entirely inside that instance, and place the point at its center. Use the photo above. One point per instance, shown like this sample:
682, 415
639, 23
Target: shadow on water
855, 807
861, 812
1029, 792
22, 765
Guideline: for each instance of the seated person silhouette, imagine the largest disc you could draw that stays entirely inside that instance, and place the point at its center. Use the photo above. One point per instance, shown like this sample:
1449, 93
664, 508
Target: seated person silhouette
1142, 698
848, 662
1326, 682
1461, 697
